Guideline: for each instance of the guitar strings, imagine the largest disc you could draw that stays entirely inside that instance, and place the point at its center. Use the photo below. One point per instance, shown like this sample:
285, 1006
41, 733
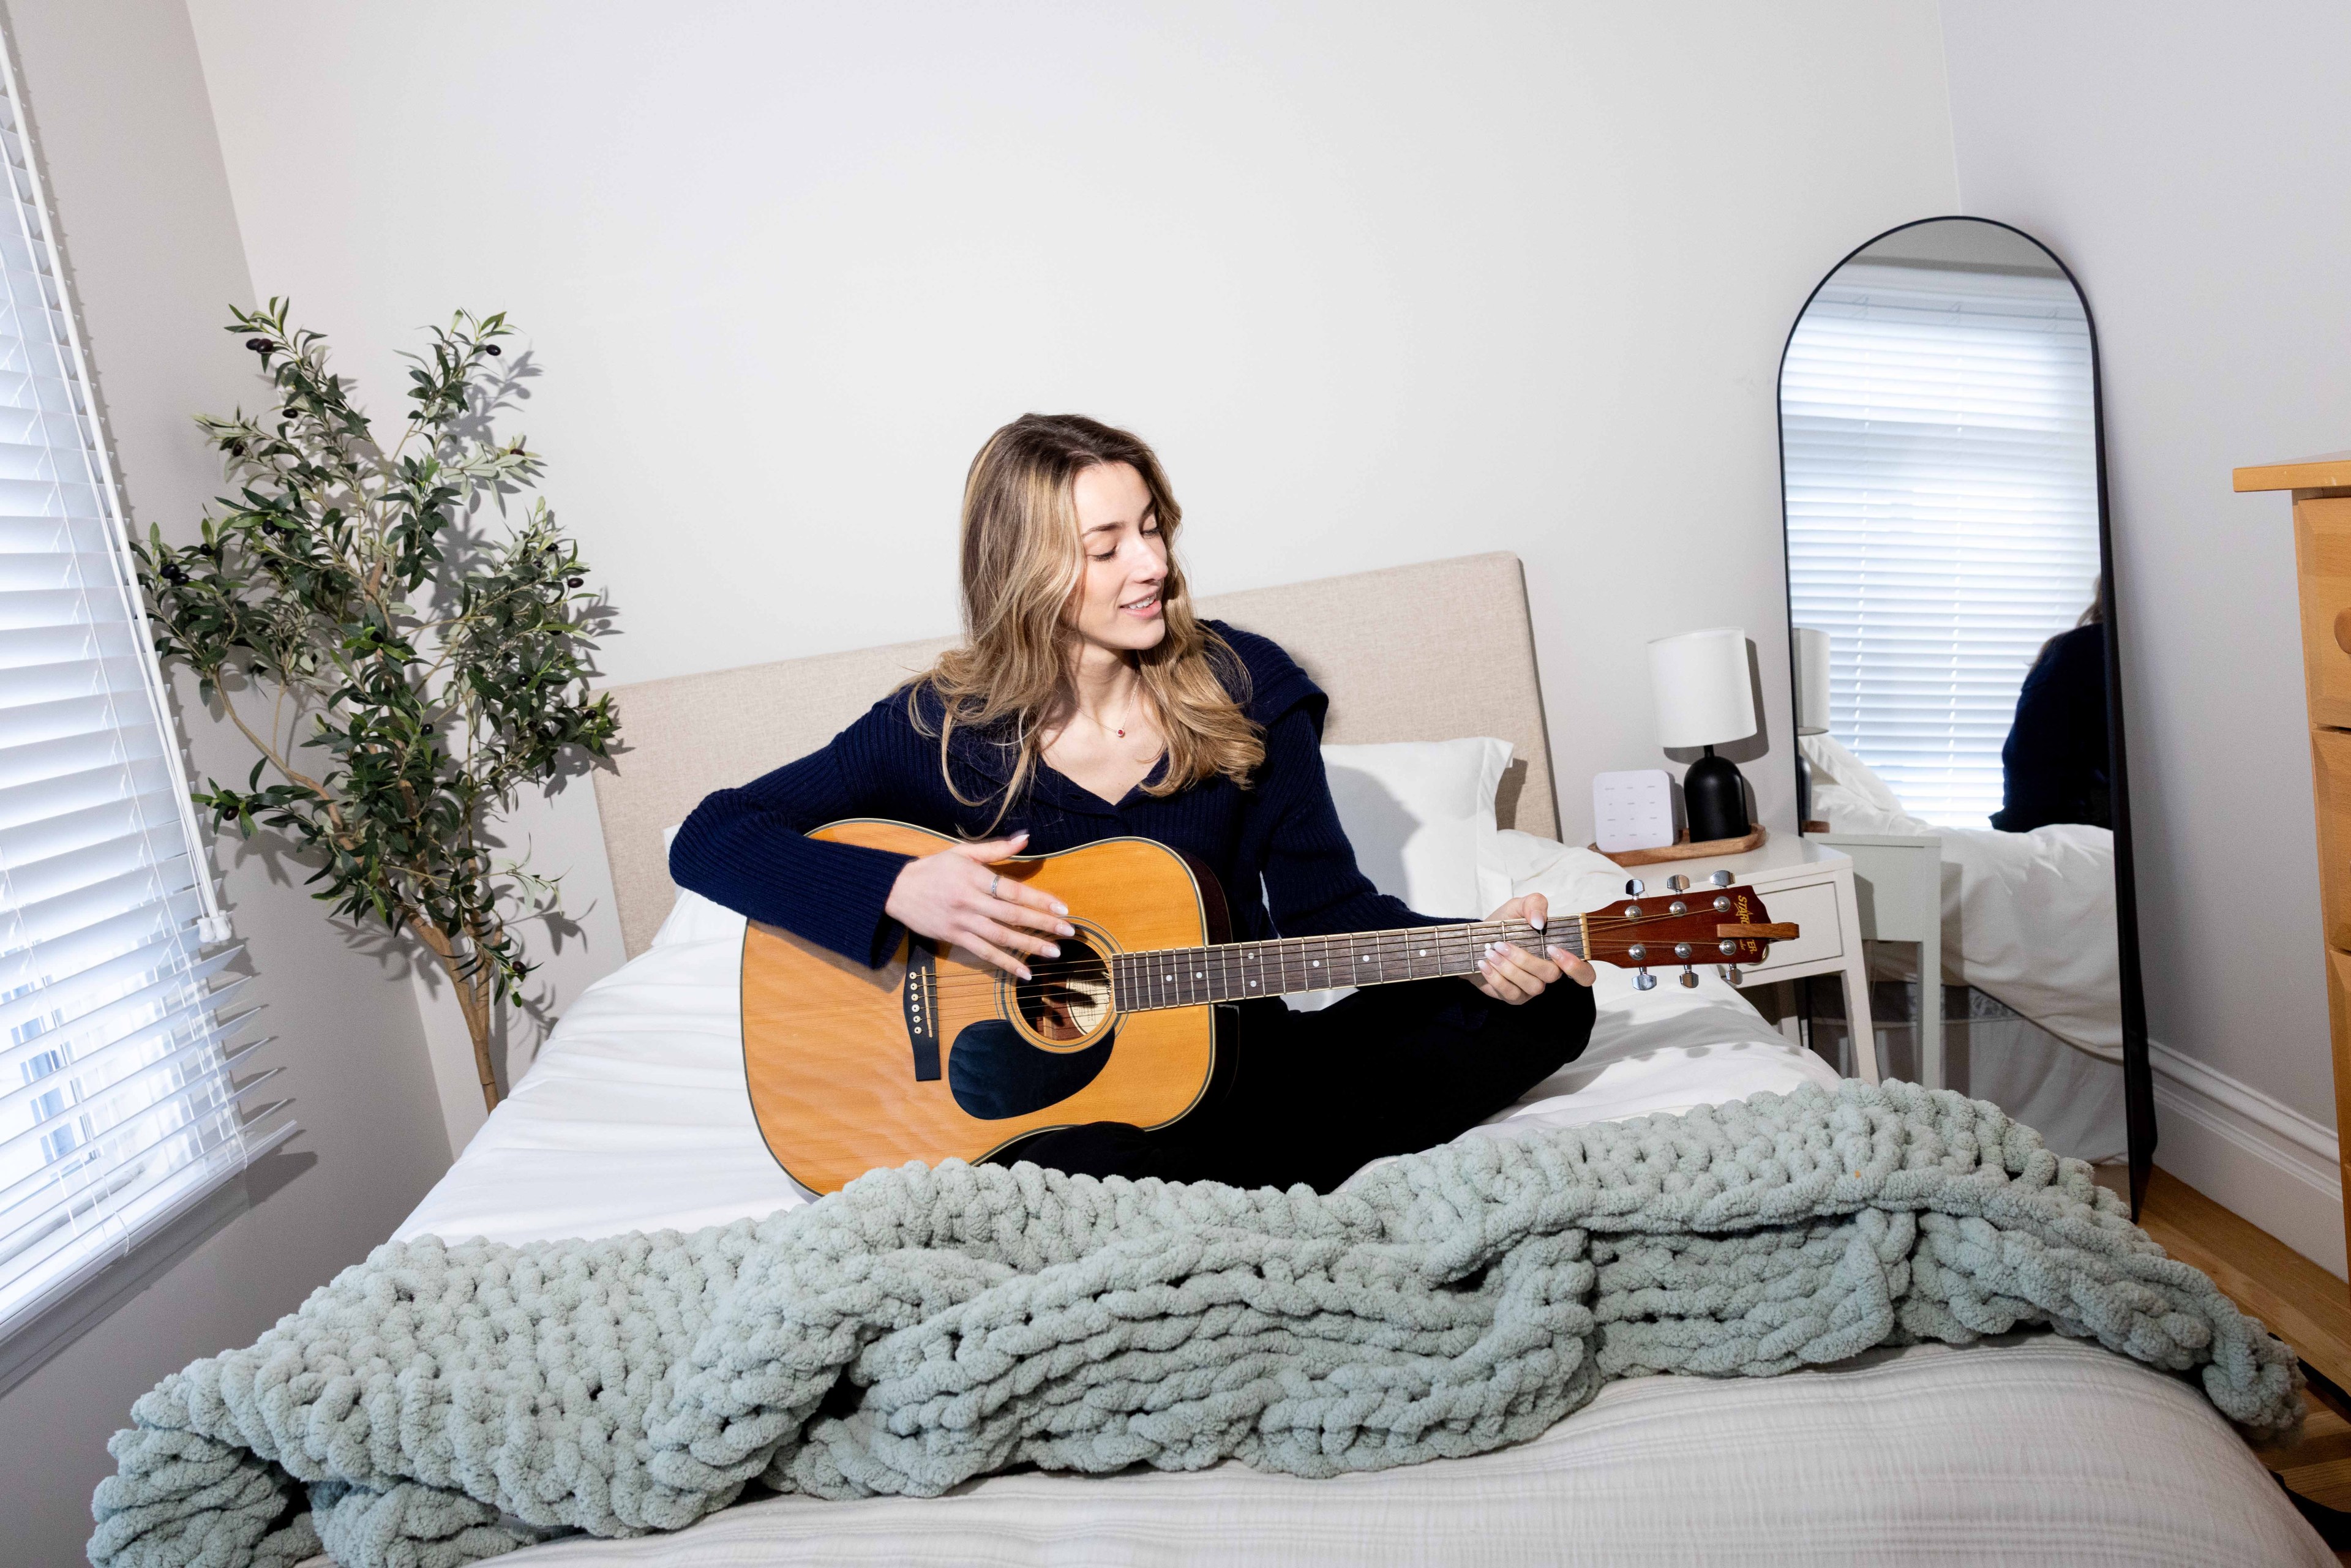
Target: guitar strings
1455, 944
1129, 971
1459, 940
1383, 946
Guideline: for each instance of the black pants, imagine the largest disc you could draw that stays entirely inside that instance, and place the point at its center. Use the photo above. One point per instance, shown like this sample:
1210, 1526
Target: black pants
1311, 1096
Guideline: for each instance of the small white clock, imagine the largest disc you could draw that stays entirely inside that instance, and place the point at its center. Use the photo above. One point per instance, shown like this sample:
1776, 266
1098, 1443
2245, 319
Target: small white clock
1633, 810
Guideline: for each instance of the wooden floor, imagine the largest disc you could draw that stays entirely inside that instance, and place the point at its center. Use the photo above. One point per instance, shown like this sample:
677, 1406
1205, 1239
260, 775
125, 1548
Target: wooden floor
2302, 1304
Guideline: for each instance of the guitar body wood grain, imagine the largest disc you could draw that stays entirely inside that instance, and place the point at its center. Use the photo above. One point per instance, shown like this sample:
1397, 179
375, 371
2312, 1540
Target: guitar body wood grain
834, 1054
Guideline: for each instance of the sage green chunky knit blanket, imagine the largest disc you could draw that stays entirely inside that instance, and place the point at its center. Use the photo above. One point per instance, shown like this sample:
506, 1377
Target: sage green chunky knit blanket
445, 1402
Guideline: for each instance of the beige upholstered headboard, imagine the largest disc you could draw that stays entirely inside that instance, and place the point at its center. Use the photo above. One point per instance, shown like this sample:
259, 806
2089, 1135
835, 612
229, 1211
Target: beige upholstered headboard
1390, 647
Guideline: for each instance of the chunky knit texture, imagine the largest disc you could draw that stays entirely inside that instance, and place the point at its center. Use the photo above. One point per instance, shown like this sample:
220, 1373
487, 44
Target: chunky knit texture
445, 1403
744, 848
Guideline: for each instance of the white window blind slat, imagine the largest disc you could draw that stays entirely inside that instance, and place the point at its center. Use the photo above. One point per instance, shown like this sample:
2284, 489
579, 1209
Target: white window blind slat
90, 1051
29, 802
119, 1184
119, 1103
1941, 479
92, 985
192, 1054
26, 971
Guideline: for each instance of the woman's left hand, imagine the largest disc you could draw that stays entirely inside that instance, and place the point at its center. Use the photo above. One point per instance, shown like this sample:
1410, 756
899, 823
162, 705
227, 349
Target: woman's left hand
1509, 973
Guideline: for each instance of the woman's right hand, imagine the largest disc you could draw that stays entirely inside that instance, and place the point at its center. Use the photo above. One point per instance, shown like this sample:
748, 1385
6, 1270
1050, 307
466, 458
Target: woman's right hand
953, 897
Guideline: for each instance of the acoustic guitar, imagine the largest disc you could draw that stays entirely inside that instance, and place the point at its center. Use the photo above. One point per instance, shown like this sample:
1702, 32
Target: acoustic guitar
936, 1054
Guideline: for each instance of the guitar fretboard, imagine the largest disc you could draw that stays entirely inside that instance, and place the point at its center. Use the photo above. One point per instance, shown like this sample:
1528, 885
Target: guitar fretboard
1186, 976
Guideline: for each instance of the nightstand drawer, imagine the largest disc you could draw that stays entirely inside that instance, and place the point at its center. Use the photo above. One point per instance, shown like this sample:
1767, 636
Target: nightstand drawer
1814, 907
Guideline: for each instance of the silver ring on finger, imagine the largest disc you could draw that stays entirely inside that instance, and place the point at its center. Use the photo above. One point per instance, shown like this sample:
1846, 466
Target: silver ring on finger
993, 878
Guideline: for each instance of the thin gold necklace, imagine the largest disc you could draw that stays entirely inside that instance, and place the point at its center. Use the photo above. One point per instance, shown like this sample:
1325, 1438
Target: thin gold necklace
1098, 724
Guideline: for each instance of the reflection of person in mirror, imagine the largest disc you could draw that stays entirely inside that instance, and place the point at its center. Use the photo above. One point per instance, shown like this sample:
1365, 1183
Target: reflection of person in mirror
2056, 759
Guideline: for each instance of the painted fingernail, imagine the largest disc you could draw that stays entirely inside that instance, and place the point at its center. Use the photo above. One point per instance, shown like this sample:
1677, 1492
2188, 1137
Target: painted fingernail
1069, 931
1052, 950
1025, 974
1060, 909
1537, 922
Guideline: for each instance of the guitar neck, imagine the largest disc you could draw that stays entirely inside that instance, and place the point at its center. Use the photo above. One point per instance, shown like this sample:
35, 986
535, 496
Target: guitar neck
1187, 976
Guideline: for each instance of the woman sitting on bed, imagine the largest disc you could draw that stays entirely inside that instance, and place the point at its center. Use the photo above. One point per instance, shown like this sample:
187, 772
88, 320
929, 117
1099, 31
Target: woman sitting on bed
1090, 702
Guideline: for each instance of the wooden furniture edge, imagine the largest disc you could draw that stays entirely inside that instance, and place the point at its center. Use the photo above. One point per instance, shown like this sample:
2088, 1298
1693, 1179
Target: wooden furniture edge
1704, 849
2329, 472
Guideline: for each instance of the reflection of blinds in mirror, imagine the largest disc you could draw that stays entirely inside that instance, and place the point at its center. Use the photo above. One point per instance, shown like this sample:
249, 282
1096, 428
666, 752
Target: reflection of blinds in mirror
1939, 459
117, 1106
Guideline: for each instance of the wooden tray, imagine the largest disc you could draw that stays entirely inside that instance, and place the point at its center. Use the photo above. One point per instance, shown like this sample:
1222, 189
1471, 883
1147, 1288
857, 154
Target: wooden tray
1704, 849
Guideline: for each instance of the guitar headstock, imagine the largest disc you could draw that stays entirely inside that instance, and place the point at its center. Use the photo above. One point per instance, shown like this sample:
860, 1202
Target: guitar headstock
1715, 922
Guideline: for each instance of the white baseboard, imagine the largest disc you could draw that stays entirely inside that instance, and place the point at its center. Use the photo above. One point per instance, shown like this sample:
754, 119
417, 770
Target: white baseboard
2251, 1153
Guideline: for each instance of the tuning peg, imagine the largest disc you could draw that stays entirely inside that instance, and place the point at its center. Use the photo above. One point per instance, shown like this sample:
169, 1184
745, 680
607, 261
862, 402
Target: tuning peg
1678, 884
1644, 981
1720, 879
1635, 888
1730, 972
1689, 977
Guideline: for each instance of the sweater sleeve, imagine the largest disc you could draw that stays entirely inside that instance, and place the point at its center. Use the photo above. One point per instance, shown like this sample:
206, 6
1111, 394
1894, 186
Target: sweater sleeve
1313, 885
747, 848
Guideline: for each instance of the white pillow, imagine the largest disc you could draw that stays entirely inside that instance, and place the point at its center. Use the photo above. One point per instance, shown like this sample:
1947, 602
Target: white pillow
1420, 814
693, 918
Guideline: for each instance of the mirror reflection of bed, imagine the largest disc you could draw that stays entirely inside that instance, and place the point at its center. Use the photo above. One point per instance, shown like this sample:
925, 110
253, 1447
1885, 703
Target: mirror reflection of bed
1948, 585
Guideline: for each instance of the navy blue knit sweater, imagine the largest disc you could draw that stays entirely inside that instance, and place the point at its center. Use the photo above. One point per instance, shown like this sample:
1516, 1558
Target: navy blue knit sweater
744, 848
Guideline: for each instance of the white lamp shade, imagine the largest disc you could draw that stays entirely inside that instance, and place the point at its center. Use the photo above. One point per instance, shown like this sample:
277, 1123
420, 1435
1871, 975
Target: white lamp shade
1704, 694
1812, 681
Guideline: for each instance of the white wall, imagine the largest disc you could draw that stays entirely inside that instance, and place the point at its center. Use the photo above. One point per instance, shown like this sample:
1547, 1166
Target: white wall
2190, 162
119, 114
1384, 282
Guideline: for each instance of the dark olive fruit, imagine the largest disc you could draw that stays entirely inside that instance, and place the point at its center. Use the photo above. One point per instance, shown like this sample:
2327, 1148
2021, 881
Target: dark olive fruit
259, 345
574, 581
492, 349
173, 573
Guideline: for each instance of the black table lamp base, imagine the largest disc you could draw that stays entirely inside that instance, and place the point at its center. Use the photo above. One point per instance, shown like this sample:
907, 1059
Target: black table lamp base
1715, 797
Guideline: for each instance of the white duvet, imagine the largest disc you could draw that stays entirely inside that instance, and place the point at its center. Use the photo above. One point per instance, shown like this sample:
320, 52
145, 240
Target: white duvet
634, 1116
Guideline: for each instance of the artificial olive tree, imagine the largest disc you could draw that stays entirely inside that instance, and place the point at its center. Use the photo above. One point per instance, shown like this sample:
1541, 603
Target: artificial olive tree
404, 658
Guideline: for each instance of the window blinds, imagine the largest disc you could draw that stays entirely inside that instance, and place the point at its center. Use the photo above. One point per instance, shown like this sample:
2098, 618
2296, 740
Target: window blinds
1939, 452
116, 1106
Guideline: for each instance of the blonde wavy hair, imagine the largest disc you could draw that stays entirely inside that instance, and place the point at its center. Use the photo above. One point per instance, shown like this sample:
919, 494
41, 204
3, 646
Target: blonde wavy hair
1023, 565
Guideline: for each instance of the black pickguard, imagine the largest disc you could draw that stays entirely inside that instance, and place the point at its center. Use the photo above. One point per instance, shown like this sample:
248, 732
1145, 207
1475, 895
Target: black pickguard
995, 1074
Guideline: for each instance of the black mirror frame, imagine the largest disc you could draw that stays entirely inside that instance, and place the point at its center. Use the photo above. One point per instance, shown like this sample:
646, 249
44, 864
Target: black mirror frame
2138, 1077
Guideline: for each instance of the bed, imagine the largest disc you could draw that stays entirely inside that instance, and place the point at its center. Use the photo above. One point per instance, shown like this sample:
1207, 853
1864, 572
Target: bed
634, 1116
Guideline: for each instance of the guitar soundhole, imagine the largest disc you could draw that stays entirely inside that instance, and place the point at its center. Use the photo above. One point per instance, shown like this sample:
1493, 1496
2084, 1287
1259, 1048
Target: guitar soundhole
1069, 999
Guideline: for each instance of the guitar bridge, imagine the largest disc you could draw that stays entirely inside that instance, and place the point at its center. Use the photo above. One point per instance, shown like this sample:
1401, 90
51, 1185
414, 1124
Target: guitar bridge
919, 998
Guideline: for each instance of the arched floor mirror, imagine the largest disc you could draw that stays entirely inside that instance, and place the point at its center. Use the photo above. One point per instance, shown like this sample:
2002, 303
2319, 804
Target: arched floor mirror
1955, 656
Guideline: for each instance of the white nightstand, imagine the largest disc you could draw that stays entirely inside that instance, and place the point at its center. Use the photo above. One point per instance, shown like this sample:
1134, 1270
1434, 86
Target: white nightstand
1899, 881
1813, 885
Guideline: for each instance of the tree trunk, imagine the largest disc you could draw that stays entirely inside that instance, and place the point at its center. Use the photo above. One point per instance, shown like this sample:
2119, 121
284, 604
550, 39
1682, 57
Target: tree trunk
474, 999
